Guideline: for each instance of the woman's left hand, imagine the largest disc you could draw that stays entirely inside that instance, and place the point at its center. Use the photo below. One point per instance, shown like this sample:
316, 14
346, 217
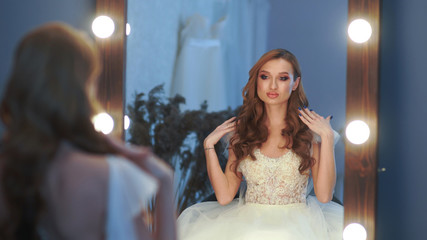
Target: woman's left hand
315, 122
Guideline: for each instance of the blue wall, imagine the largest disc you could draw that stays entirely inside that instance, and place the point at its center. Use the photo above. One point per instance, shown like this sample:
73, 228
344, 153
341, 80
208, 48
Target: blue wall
402, 191
317, 36
19, 17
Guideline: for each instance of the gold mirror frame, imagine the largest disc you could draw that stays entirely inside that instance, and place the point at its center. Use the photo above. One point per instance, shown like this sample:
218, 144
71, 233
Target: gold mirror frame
362, 102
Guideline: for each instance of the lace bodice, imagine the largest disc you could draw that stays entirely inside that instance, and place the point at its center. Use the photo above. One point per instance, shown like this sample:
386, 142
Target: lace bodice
274, 181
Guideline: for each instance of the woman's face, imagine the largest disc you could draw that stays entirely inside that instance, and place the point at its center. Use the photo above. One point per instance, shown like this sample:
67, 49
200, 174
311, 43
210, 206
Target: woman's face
275, 82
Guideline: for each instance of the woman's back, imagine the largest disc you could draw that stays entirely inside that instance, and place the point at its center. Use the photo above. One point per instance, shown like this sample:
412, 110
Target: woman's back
75, 191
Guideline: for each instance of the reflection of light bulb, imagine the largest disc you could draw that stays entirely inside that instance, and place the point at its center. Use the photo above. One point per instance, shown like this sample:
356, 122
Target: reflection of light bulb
103, 123
127, 29
103, 26
354, 231
127, 122
359, 30
357, 132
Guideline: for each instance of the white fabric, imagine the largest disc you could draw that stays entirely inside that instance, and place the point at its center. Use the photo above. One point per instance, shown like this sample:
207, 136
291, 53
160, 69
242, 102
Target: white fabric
199, 70
299, 221
245, 40
130, 189
276, 207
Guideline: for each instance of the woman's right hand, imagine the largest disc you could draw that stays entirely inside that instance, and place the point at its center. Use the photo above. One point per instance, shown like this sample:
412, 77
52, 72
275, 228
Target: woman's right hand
144, 158
219, 132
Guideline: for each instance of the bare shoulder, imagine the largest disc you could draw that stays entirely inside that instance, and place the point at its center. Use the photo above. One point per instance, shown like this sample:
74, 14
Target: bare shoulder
78, 175
91, 168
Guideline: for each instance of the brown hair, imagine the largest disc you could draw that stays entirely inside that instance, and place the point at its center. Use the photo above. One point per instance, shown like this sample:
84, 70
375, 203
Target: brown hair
251, 131
46, 101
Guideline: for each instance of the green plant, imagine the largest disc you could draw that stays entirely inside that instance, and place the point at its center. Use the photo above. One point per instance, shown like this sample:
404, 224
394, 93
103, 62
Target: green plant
177, 137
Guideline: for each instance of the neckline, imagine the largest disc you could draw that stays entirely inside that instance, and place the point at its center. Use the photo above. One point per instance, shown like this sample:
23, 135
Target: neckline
279, 157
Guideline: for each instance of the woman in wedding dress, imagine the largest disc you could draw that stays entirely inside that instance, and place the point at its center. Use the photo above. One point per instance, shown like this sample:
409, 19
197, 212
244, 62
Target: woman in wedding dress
278, 145
60, 178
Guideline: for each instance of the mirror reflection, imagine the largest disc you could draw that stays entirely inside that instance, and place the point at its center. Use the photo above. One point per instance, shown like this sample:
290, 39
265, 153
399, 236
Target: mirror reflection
204, 51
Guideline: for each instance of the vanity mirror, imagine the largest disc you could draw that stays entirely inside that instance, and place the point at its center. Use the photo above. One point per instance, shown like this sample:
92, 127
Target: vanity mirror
361, 100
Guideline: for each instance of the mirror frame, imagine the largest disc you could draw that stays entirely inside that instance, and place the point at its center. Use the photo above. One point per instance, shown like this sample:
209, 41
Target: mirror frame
360, 182
112, 82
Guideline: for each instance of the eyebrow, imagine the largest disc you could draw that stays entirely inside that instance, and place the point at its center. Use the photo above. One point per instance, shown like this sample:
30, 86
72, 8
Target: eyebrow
269, 72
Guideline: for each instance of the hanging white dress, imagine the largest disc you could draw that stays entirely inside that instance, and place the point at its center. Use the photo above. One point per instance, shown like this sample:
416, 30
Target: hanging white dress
199, 73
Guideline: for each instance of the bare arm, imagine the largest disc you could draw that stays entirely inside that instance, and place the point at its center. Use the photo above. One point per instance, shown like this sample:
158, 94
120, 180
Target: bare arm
324, 170
225, 184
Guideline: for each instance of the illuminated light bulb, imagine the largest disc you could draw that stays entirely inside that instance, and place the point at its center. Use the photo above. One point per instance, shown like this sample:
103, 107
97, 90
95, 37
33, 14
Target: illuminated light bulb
103, 123
127, 122
103, 26
127, 29
357, 132
359, 30
354, 231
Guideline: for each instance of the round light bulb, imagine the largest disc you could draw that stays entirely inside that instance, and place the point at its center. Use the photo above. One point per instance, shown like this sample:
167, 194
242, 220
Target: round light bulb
357, 132
354, 231
127, 29
126, 122
359, 30
103, 123
103, 26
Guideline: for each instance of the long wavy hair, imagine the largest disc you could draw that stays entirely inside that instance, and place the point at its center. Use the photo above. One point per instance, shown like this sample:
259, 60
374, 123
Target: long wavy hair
251, 131
49, 98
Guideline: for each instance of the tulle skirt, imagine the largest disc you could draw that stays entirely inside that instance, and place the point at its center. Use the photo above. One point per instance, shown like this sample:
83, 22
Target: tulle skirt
305, 221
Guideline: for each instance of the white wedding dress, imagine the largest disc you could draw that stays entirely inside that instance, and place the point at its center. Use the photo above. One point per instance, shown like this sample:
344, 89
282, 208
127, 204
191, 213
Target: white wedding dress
276, 206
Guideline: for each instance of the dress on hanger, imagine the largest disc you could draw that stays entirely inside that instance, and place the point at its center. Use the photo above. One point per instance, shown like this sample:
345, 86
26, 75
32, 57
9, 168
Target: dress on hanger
199, 70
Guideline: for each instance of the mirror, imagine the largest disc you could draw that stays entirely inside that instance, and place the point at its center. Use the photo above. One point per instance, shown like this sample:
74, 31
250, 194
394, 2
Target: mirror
360, 184
161, 33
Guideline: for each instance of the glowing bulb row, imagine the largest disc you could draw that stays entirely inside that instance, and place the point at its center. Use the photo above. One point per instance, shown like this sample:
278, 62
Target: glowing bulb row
103, 27
356, 132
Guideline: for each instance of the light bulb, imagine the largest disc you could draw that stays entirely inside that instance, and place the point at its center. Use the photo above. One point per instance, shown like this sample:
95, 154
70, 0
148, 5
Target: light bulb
103, 26
103, 123
359, 30
354, 231
357, 132
128, 29
126, 122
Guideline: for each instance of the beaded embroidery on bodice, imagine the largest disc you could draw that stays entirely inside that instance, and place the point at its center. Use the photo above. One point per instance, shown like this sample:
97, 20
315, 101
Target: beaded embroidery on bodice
274, 181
